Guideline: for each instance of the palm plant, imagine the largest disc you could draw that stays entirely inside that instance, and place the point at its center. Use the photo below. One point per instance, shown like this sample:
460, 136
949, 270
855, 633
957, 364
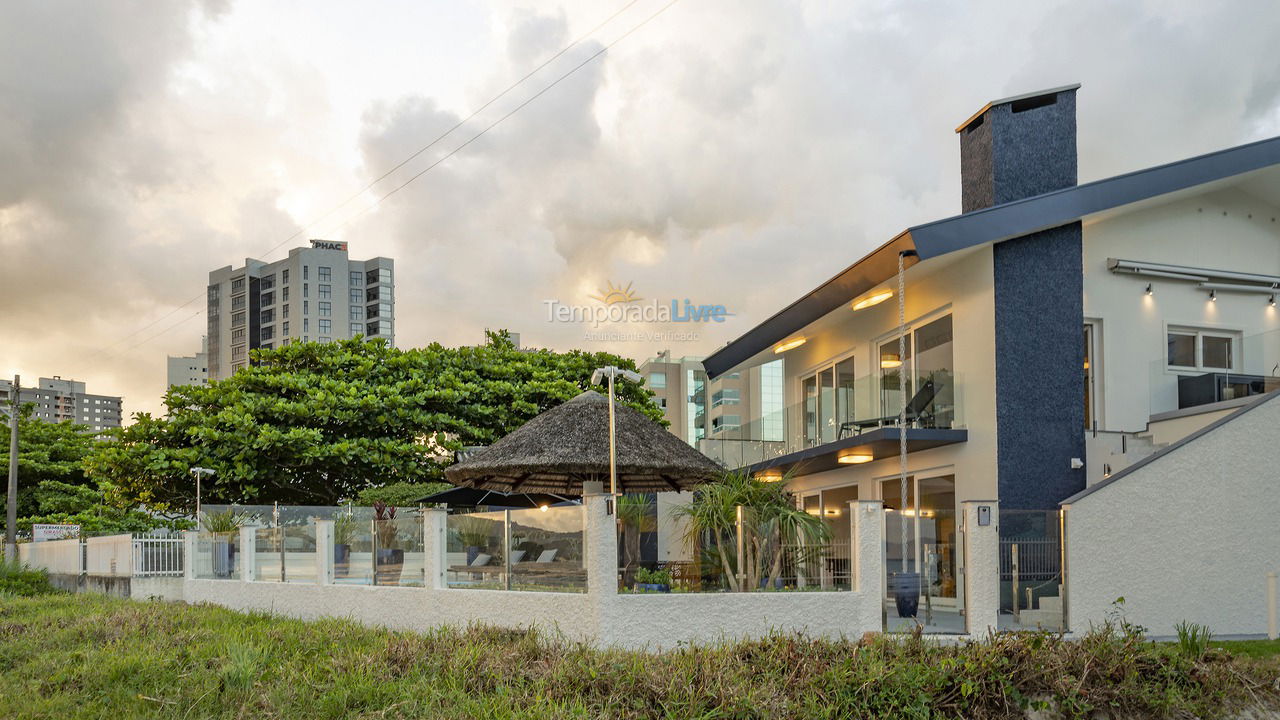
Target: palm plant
771, 523
218, 523
636, 515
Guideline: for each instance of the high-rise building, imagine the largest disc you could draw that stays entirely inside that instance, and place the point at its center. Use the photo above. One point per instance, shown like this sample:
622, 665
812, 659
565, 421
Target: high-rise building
56, 400
317, 294
190, 369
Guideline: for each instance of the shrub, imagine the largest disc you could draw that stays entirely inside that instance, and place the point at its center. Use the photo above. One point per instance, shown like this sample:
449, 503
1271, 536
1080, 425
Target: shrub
1193, 639
20, 580
653, 577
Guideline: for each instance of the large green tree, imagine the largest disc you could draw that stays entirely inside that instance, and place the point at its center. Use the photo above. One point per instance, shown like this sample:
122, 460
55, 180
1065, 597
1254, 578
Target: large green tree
315, 423
46, 451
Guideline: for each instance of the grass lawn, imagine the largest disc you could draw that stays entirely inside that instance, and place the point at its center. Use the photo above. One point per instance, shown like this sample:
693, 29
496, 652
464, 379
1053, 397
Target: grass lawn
1249, 648
85, 656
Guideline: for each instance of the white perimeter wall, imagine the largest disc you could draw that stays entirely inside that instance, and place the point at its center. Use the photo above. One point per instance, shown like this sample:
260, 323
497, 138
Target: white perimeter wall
601, 616
1189, 536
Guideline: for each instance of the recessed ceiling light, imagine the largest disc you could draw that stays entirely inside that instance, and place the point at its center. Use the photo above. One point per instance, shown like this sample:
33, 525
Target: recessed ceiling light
789, 345
874, 298
855, 458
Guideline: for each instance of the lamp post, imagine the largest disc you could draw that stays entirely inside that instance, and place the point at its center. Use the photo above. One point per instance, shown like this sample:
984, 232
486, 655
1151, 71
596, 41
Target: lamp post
199, 472
611, 372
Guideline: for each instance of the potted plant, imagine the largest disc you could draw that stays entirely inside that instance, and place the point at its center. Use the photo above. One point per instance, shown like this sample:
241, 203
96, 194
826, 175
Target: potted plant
344, 530
389, 560
653, 580
223, 526
905, 588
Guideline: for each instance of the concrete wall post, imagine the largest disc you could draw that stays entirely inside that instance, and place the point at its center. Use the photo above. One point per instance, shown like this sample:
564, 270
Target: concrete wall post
434, 546
982, 566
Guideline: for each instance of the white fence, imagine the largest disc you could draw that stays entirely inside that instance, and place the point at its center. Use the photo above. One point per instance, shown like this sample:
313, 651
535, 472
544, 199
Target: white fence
65, 557
155, 556
110, 555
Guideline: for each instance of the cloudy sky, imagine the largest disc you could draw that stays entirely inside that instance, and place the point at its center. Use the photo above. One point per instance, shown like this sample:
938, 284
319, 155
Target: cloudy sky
723, 151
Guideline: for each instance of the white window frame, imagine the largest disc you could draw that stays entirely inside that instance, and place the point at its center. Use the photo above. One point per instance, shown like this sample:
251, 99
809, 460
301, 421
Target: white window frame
1200, 333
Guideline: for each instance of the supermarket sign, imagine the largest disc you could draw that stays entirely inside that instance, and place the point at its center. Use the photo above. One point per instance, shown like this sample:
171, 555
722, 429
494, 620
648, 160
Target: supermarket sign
41, 533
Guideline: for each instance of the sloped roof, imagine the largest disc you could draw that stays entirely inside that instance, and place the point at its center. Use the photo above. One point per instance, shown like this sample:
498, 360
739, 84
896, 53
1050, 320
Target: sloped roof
989, 225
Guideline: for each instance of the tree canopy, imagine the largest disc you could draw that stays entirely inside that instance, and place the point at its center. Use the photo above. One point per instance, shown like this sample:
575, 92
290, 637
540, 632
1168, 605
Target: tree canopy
313, 423
46, 451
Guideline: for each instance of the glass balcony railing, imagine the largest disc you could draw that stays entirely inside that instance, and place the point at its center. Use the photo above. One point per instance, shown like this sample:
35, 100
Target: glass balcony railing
831, 412
1203, 367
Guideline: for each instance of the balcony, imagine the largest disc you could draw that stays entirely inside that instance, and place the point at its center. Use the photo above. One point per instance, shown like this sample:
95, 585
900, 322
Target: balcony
847, 421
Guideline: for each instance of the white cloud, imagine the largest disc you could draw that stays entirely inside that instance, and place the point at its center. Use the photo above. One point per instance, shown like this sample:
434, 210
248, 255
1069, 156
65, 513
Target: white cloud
726, 152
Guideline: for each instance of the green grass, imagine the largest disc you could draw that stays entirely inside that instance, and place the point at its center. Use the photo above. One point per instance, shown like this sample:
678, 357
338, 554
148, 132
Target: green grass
1249, 648
84, 656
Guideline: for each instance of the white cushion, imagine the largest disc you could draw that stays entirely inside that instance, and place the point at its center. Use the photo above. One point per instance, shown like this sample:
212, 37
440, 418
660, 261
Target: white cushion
481, 559
516, 556
547, 555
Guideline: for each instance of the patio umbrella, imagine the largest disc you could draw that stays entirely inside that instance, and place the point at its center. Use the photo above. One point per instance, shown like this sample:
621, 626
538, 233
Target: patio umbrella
474, 496
560, 449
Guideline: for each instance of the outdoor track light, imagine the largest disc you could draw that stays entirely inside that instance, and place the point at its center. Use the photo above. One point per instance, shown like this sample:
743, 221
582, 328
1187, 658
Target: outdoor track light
598, 376
1148, 288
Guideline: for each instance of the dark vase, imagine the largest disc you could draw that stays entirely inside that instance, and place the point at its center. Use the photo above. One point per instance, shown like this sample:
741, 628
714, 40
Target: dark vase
387, 566
473, 551
224, 554
341, 559
905, 588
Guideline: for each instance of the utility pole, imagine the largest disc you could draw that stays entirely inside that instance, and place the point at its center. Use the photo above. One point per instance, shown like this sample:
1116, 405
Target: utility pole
11, 511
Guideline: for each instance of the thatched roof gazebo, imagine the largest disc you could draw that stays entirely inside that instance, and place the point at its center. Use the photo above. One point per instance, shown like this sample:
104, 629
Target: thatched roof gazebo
566, 446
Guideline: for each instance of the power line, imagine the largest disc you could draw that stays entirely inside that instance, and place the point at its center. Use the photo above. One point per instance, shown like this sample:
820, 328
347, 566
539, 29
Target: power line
499, 121
456, 125
426, 147
384, 175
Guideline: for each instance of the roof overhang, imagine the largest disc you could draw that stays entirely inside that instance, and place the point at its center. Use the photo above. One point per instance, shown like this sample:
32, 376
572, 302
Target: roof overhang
860, 277
992, 225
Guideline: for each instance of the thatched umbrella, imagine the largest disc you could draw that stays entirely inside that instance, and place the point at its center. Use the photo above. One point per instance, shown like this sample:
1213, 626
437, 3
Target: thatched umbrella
559, 450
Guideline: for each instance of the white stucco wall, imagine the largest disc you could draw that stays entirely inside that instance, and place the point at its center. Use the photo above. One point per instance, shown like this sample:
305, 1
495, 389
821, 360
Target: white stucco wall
1222, 229
1188, 536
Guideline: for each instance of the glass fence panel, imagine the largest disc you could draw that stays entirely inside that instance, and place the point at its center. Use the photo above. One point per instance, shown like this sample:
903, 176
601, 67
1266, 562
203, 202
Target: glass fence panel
1030, 570
399, 559
353, 546
216, 556
738, 549
268, 555
547, 549
300, 553
475, 550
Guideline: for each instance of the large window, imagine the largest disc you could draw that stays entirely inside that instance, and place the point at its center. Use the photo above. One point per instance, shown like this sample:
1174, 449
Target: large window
326, 309
1197, 349
657, 380
356, 278
326, 292
923, 376
828, 402
326, 326
325, 274
772, 401
726, 422
726, 396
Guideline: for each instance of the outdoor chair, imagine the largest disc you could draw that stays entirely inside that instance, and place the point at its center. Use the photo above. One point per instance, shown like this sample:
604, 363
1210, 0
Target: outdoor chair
919, 410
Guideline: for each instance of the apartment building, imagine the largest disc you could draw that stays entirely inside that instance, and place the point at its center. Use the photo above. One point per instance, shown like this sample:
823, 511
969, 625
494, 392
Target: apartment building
317, 294
190, 369
56, 400
703, 410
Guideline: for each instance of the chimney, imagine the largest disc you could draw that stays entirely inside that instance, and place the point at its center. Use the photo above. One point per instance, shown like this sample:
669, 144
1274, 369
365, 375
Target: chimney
1018, 147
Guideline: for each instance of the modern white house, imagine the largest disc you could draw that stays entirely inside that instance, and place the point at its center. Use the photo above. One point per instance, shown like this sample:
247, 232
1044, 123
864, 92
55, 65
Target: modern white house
1056, 333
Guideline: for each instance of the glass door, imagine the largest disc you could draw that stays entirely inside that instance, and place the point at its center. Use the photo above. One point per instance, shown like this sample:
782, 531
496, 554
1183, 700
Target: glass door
809, 391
